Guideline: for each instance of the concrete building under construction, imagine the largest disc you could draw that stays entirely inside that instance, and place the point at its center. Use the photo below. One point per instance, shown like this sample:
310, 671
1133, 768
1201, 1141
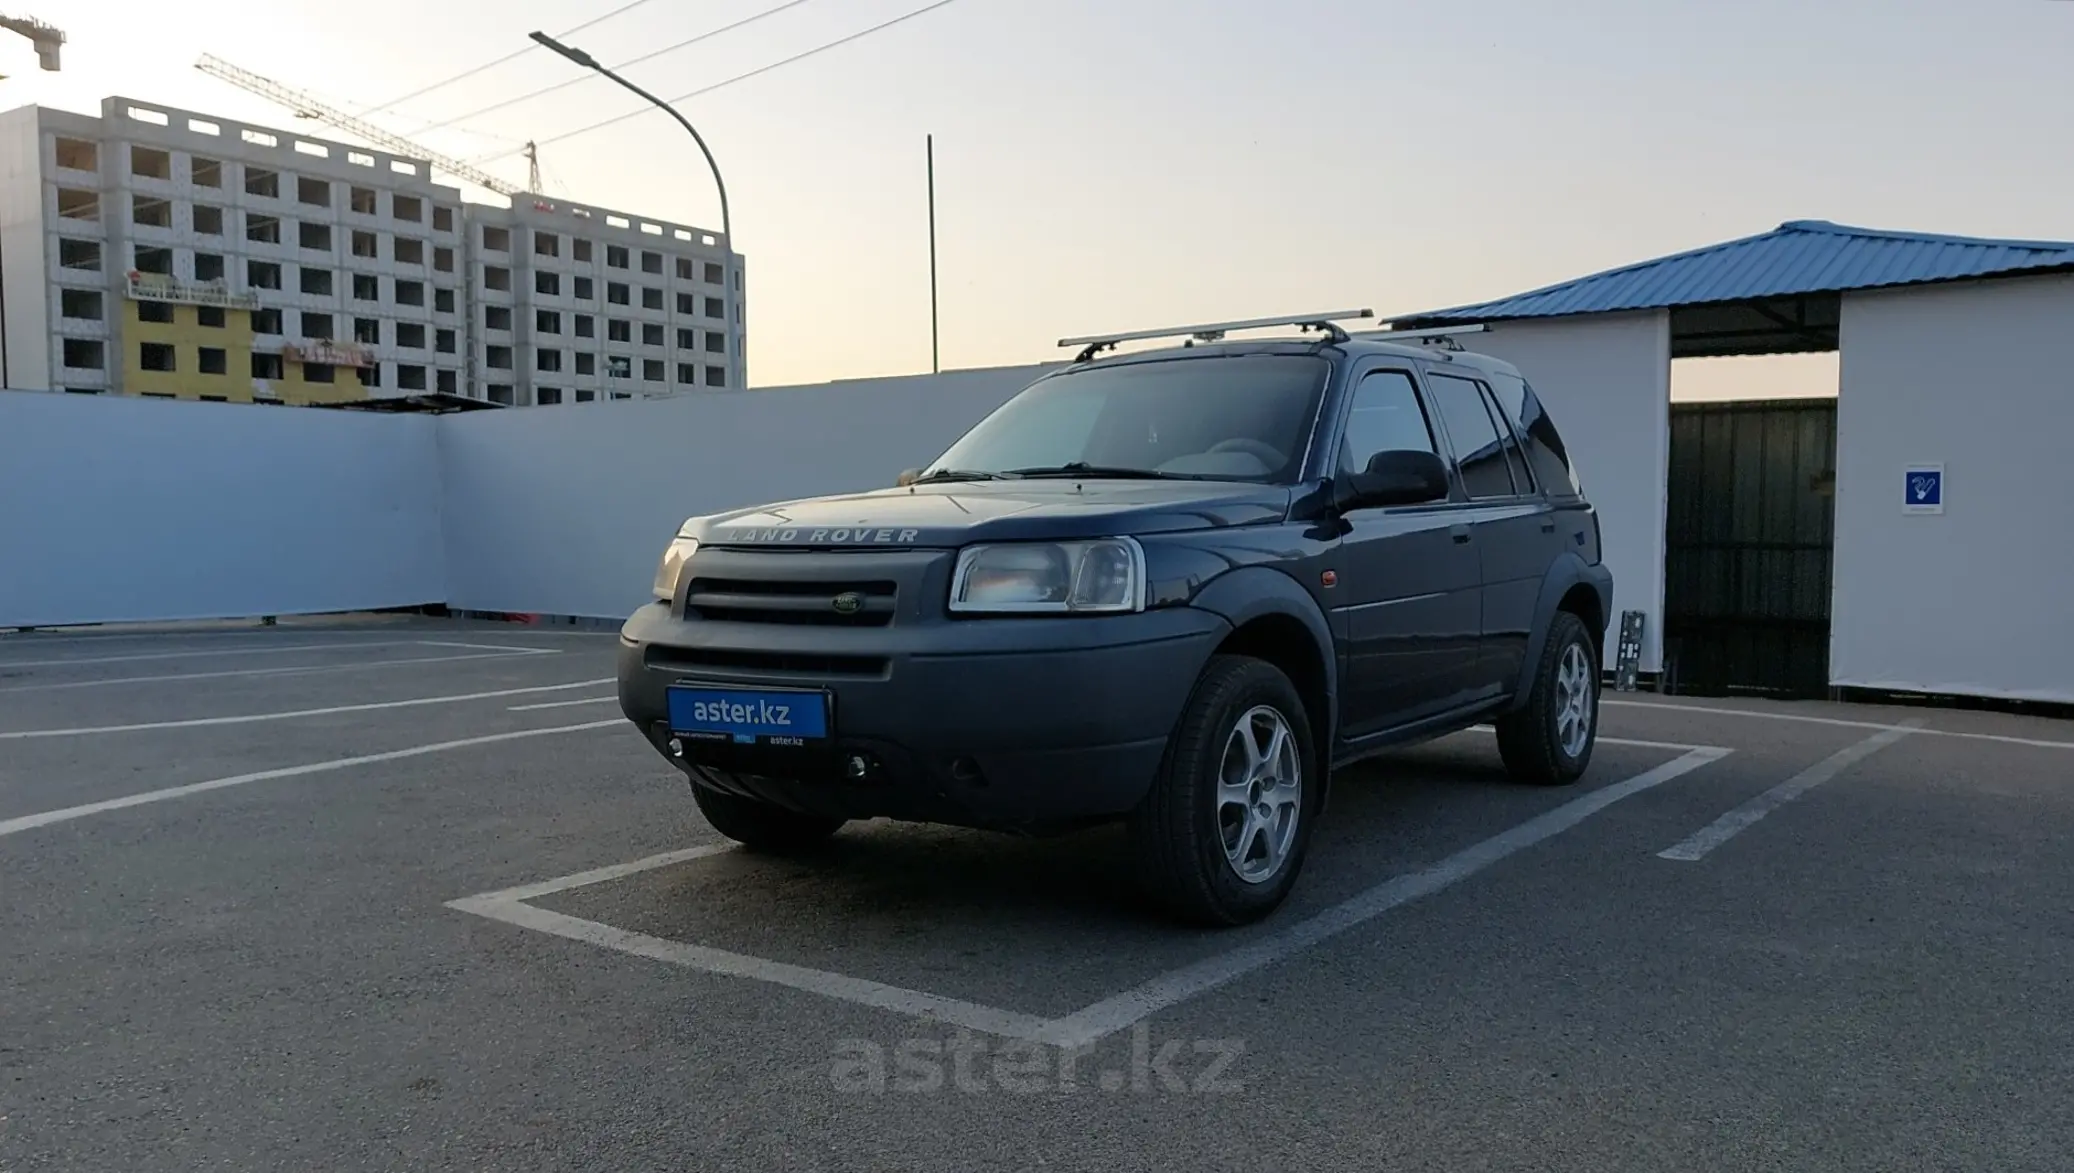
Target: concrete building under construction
161, 252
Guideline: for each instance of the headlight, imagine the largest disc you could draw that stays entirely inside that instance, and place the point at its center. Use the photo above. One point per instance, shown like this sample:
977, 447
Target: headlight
672, 567
1051, 577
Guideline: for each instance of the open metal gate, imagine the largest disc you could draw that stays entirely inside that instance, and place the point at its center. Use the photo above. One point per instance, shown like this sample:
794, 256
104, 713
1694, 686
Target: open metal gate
1748, 547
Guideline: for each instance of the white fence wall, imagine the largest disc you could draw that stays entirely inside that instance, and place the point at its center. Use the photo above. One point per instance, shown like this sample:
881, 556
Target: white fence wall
1973, 601
564, 511
1606, 381
119, 509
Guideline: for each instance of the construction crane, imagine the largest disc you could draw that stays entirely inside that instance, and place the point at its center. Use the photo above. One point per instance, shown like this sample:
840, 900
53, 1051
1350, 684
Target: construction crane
305, 106
46, 38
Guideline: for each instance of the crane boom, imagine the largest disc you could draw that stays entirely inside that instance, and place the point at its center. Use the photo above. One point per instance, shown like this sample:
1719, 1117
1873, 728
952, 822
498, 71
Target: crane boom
308, 107
48, 39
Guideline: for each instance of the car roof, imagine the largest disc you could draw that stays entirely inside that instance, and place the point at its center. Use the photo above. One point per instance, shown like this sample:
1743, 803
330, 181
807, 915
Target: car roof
1358, 346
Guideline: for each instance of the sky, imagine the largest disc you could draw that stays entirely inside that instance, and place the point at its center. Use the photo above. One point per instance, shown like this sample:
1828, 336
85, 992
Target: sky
1112, 164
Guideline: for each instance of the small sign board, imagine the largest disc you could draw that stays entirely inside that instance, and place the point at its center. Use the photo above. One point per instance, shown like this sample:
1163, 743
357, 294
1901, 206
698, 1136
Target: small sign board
1627, 661
1923, 489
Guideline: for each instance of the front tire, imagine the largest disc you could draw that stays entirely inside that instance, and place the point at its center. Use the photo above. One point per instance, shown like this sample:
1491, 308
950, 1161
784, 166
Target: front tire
1222, 834
760, 826
1549, 741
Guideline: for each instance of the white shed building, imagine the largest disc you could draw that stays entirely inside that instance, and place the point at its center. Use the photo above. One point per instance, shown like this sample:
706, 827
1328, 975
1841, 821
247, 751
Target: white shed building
1953, 556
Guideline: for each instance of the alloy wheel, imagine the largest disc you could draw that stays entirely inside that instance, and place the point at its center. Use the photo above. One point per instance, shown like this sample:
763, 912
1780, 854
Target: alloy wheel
1573, 700
1259, 794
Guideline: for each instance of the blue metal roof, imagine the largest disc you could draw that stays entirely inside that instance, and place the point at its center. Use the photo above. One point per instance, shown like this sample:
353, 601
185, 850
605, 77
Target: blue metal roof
1798, 257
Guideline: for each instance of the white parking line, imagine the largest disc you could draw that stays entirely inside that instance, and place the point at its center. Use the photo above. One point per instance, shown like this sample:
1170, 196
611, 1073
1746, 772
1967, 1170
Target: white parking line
1630, 742
1103, 1018
1742, 818
442, 643
250, 633
1917, 727
240, 672
188, 655
589, 700
915, 1003
24, 734
255, 633
1117, 1013
16, 826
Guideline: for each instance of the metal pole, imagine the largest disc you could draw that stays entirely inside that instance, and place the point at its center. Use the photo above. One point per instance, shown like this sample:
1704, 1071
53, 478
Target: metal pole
935, 351
589, 62
4, 383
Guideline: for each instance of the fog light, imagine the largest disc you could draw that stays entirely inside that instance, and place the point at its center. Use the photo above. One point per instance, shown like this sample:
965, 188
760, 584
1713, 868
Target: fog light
856, 768
676, 747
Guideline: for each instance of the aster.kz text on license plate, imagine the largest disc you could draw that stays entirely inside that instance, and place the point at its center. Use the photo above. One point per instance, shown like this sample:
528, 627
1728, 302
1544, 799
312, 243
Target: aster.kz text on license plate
749, 716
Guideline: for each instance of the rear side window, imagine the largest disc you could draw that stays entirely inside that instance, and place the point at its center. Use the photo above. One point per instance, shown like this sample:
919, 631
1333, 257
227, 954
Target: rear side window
1478, 443
1515, 459
1545, 451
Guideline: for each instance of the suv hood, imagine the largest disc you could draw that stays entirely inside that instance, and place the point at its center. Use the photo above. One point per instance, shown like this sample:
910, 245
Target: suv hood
953, 514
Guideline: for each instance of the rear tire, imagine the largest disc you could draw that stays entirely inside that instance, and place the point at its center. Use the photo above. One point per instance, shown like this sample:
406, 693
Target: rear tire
1221, 836
1549, 741
760, 826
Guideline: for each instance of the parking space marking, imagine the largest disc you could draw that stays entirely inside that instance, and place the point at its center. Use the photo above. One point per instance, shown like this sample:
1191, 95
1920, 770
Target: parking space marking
1089, 1024
1696, 846
16, 826
589, 700
195, 722
447, 643
1113, 1014
315, 670
1636, 743
186, 655
603, 875
863, 991
1915, 726
1630, 742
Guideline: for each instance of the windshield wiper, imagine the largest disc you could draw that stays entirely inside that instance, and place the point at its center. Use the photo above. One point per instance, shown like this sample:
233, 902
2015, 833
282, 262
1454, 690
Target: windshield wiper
1081, 468
959, 474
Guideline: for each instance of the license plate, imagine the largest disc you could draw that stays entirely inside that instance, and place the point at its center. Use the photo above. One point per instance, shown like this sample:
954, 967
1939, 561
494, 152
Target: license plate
749, 716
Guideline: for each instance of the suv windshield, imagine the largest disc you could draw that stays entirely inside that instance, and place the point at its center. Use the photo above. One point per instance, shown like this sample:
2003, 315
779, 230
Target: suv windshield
1242, 418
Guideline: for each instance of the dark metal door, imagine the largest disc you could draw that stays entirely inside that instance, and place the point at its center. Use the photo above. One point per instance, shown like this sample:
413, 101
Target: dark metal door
1748, 546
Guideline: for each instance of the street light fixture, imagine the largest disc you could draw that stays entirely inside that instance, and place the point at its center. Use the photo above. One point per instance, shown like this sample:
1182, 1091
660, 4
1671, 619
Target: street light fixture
589, 62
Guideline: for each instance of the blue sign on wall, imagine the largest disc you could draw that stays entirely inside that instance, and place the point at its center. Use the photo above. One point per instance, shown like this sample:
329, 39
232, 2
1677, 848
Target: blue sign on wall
1923, 489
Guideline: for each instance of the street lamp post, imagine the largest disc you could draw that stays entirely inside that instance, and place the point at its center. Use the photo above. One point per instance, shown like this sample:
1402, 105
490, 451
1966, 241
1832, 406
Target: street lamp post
589, 62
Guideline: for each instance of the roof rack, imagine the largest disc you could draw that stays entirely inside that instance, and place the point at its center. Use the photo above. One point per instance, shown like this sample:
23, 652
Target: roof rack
1094, 344
1441, 336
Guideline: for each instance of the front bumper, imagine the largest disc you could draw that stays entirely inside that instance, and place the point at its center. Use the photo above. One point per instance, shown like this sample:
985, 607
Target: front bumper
1010, 723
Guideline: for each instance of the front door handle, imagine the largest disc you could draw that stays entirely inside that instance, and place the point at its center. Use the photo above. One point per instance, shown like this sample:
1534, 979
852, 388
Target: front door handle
1458, 532
1548, 525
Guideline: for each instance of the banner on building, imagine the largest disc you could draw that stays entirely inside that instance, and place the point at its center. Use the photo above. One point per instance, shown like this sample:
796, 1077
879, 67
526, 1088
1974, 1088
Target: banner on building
326, 351
165, 287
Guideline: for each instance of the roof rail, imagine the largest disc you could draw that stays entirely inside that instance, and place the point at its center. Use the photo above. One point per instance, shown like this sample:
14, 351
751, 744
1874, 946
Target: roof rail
1214, 331
1441, 336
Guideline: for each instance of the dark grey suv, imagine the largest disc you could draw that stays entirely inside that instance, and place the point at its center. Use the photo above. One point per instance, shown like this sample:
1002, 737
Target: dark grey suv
1177, 588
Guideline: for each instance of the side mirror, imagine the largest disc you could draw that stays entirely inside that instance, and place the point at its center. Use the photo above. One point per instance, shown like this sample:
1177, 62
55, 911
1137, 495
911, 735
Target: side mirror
907, 477
1397, 477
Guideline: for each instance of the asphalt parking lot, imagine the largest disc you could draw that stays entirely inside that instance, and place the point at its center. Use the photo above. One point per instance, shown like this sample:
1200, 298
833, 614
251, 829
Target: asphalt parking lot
403, 894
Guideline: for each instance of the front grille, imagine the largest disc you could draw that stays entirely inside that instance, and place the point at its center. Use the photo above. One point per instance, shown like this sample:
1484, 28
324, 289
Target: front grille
694, 660
799, 604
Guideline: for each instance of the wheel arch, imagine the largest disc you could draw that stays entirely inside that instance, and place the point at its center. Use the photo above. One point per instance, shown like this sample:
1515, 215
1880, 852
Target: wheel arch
1274, 619
1571, 585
